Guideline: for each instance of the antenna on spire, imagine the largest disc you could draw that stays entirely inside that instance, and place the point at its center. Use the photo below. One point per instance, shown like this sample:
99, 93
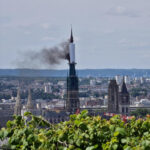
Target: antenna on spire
71, 36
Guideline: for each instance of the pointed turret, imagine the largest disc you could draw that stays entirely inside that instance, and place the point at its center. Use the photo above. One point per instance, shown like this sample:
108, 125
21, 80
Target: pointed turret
124, 99
72, 49
18, 106
71, 37
30, 104
123, 87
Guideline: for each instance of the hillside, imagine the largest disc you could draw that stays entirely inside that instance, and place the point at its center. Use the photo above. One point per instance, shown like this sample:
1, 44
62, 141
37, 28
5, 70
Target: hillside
81, 73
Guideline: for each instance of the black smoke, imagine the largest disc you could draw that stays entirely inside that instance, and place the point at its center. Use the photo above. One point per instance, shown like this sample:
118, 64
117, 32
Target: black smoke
55, 54
46, 56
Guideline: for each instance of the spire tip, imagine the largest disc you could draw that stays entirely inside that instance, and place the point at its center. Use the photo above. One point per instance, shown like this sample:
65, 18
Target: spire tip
71, 36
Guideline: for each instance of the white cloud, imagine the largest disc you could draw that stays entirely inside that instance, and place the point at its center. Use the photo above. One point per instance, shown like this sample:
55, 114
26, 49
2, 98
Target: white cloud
31, 25
45, 26
136, 44
122, 11
27, 32
76, 38
4, 20
47, 38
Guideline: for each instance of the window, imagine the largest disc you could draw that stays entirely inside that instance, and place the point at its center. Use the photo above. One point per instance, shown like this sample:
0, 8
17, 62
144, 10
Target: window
122, 109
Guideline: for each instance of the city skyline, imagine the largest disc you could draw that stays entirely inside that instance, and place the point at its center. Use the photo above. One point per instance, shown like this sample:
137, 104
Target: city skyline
107, 34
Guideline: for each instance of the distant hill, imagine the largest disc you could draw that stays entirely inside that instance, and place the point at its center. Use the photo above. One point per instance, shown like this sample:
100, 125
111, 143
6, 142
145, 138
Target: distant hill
81, 73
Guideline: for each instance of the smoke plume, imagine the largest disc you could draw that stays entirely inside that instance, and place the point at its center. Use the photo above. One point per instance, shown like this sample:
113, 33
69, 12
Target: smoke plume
55, 54
47, 56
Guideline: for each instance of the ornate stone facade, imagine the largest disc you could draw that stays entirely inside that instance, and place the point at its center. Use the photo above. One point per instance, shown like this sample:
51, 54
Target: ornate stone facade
31, 106
124, 99
118, 102
113, 93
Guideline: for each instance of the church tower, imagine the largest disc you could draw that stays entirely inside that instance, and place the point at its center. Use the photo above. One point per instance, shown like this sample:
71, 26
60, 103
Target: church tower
113, 93
17, 110
30, 103
72, 102
31, 106
124, 99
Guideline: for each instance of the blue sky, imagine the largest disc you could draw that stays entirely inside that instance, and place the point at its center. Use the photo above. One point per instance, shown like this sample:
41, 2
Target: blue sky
108, 33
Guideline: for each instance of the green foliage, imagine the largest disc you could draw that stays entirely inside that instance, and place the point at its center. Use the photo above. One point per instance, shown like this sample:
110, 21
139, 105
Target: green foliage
41, 95
81, 132
140, 112
138, 92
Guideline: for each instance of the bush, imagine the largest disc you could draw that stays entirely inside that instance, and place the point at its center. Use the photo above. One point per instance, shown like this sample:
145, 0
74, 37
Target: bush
140, 112
81, 132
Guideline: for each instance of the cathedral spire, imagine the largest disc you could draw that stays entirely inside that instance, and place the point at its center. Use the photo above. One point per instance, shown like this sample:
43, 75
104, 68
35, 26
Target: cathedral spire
17, 110
123, 87
18, 96
72, 103
71, 36
30, 104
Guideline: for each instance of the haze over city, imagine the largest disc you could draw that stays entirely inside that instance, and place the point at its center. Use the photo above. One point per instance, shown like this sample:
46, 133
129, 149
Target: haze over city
108, 34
